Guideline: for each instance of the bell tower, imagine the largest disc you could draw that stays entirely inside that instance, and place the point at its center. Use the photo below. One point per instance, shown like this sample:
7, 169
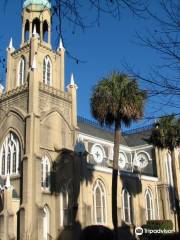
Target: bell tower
36, 111
35, 45
36, 16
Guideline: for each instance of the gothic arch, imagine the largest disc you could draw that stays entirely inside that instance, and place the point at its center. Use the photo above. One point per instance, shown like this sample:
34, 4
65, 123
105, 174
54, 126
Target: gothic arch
16, 112
49, 112
127, 205
149, 201
10, 153
47, 70
102, 179
36, 22
17, 133
100, 199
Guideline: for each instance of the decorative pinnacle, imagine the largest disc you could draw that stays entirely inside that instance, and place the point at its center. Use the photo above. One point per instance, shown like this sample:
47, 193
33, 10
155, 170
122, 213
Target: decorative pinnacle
61, 47
10, 47
34, 31
10, 44
72, 79
34, 63
72, 83
1, 87
8, 183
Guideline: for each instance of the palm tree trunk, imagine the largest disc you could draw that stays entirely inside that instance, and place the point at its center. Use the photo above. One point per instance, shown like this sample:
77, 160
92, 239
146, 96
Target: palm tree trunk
175, 187
115, 179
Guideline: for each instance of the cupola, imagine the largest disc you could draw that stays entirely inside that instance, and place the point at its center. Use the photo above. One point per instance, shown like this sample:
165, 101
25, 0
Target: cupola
41, 3
36, 15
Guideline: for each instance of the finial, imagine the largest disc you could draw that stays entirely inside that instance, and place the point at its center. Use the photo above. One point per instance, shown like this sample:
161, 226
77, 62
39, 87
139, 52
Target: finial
61, 47
1, 89
10, 47
72, 79
34, 63
79, 146
8, 183
72, 83
34, 31
10, 44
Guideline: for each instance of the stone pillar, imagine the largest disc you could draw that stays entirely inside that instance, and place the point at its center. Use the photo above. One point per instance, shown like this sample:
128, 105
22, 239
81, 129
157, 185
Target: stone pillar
31, 182
9, 76
41, 31
62, 68
49, 35
7, 216
23, 33
72, 89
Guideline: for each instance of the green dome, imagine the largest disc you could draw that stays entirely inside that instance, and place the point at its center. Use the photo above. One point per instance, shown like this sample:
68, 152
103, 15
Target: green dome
44, 3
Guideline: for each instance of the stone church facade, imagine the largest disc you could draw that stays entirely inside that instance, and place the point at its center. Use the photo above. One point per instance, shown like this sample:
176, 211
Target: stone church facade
55, 167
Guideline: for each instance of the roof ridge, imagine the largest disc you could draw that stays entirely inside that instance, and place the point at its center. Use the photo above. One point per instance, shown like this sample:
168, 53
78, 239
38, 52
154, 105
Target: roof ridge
94, 124
111, 130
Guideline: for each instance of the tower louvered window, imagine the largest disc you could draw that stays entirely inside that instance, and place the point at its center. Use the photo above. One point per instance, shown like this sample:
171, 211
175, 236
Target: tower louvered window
21, 71
47, 71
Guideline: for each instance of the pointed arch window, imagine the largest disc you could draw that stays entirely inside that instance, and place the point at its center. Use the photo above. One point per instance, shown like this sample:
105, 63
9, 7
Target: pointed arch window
126, 200
45, 173
99, 202
21, 71
10, 155
149, 205
66, 205
47, 71
46, 223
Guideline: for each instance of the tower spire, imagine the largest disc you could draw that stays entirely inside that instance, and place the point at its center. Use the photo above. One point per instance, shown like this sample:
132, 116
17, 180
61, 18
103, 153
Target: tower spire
72, 79
1, 89
10, 47
8, 183
61, 47
34, 31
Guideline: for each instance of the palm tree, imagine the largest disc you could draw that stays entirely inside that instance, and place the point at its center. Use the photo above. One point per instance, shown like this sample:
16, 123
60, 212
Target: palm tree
117, 99
166, 135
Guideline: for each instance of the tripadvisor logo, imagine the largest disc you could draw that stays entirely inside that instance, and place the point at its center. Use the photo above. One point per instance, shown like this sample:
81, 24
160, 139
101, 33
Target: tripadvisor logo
138, 231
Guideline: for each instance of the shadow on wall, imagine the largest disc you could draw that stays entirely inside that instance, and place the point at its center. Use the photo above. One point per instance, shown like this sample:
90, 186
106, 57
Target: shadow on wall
68, 172
134, 187
95, 232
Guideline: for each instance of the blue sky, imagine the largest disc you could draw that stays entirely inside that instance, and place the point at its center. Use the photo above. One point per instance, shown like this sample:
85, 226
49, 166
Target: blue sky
102, 49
